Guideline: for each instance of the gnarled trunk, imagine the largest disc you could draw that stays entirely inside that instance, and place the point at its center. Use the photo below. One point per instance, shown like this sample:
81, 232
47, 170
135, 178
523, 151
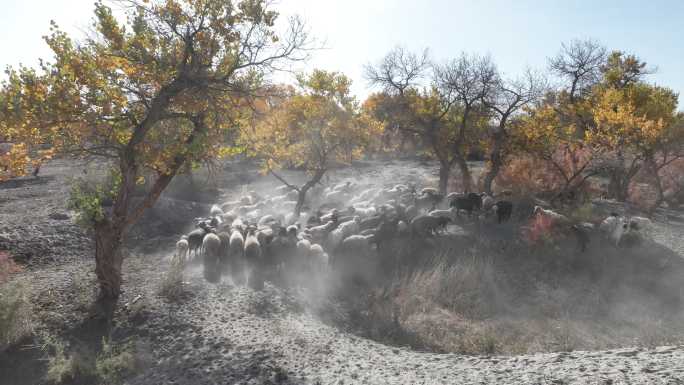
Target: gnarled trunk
301, 197
466, 178
108, 261
444, 170
495, 162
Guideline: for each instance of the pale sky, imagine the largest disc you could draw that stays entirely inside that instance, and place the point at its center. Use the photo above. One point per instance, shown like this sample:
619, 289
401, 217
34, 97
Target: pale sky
516, 33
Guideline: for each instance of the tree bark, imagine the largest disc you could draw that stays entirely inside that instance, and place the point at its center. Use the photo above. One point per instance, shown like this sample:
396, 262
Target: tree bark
495, 162
444, 171
301, 197
465, 173
108, 261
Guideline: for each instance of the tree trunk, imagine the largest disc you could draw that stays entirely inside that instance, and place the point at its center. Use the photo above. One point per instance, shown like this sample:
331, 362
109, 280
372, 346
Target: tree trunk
108, 261
444, 170
465, 173
301, 197
495, 162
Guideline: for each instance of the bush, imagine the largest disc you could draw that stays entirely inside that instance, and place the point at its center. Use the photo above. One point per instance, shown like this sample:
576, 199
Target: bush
15, 313
171, 286
115, 362
110, 366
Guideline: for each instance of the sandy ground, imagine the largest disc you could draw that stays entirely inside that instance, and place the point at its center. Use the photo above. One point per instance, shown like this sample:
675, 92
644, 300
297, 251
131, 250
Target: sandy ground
221, 334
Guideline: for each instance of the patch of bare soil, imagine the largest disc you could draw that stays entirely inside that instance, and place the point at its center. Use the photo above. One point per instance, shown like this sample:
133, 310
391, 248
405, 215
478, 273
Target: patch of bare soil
222, 334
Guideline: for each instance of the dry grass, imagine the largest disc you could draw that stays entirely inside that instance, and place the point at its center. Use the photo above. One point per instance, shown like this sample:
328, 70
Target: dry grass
523, 299
110, 366
16, 316
171, 286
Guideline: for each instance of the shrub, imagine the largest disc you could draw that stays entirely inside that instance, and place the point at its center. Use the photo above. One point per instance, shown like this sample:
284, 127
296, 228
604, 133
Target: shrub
15, 313
7, 266
171, 285
115, 362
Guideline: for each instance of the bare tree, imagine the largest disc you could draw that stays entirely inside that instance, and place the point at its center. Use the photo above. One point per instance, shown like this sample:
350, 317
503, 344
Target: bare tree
580, 62
398, 70
466, 81
505, 101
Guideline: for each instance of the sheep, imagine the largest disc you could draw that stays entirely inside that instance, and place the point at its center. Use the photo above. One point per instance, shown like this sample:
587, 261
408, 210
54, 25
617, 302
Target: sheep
365, 211
350, 227
429, 201
429, 191
320, 232
453, 195
402, 227
556, 218
211, 250
444, 213
640, 224
246, 200
487, 202
253, 258
467, 203
615, 227
215, 211
318, 259
288, 205
283, 189
292, 195
224, 254
195, 239
385, 232
371, 222
236, 249
357, 243
303, 246
266, 219
333, 214
427, 225
581, 232
503, 210
336, 196
227, 206
335, 238
182, 249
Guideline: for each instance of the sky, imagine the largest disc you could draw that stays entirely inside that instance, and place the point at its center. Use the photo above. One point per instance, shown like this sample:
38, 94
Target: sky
516, 33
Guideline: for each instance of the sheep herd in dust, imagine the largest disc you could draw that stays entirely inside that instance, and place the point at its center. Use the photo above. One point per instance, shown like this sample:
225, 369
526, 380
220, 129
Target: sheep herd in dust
259, 236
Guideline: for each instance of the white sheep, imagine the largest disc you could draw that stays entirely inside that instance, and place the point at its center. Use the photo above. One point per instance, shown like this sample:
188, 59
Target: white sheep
266, 219
215, 211
402, 227
288, 205
365, 211
357, 243
246, 200
556, 218
182, 247
318, 258
303, 246
336, 196
429, 191
350, 227
615, 227
319, 232
335, 238
450, 213
253, 258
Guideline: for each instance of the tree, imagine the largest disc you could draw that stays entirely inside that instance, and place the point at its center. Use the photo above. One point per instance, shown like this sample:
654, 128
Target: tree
466, 81
396, 73
149, 95
506, 101
312, 129
579, 62
633, 121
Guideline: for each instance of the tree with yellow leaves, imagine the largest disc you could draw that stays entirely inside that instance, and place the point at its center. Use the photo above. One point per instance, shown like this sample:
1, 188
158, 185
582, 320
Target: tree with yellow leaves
314, 128
150, 94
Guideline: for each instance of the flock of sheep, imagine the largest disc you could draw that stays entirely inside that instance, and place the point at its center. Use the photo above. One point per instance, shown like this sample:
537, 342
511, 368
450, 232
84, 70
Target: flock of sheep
256, 235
